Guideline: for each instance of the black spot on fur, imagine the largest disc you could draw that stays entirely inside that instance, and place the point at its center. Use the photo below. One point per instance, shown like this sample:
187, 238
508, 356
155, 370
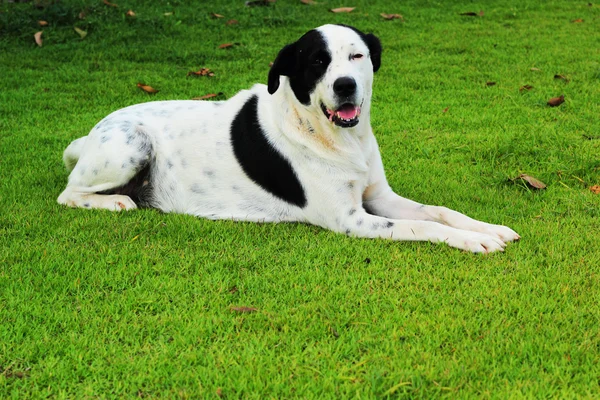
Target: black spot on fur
347, 232
104, 139
260, 160
169, 164
86, 205
95, 172
195, 188
304, 62
389, 224
359, 222
208, 172
352, 211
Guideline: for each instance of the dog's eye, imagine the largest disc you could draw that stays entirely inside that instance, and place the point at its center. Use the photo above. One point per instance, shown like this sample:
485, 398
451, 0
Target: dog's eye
356, 56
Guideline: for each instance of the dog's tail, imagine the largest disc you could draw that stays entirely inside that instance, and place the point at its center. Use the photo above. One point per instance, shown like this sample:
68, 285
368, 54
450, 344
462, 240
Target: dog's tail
72, 152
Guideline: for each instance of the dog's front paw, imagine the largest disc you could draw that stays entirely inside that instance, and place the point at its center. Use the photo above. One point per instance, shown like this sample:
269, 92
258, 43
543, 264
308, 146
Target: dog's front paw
475, 242
503, 233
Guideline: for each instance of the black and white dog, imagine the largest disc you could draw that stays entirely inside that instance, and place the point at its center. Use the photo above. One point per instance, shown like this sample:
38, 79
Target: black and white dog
300, 149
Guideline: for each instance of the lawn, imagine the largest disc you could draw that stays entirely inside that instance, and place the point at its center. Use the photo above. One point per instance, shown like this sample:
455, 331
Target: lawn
112, 305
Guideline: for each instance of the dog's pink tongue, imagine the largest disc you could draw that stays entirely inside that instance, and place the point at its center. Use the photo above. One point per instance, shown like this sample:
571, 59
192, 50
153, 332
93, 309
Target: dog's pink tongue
348, 111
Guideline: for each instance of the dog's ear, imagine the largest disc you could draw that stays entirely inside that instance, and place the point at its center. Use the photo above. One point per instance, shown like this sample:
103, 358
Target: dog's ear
374, 45
284, 64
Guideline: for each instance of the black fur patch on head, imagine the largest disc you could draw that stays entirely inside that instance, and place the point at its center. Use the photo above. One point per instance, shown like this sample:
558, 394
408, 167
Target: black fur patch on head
304, 62
260, 160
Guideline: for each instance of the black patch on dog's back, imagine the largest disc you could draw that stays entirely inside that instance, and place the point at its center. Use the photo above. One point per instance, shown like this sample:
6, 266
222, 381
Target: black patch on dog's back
260, 160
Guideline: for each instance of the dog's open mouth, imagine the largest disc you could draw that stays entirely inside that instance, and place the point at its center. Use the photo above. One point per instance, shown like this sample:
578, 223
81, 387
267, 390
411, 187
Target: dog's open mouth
346, 116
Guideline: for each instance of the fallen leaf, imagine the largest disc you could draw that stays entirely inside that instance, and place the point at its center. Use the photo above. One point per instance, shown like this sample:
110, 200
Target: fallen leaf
201, 72
564, 78
80, 32
259, 3
308, 2
270, 64
389, 17
490, 83
231, 22
595, 189
472, 14
556, 101
534, 69
108, 3
225, 45
219, 392
130, 13
342, 10
215, 15
233, 289
244, 309
82, 15
531, 181
147, 89
577, 21
43, 23
445, 109
38, 38
525, 87
208, 96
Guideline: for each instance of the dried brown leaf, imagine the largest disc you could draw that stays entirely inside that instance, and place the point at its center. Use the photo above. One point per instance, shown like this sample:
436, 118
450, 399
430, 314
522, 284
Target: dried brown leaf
244, 309
82, 34
389, 17
577, 21
556, 101
225, 45
564, 78
472, 14
595, 189
525, 87
342, 10
534, 69
219, 392
259, 3
42, 23
208, 96
445, 109
38, 38
232, 22
215, 15
308, 2
82, 15
130, 13
531, 181
490, 83
147, 88
108, 3
201, 72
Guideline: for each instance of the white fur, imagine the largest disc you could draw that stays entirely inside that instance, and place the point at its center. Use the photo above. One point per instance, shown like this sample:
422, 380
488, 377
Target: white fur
196, 172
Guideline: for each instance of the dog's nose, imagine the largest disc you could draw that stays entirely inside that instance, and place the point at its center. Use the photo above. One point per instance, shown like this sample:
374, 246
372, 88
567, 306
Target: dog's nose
345, 86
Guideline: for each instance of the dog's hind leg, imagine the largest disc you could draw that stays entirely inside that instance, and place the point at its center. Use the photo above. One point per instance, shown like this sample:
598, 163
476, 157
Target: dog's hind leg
108, 169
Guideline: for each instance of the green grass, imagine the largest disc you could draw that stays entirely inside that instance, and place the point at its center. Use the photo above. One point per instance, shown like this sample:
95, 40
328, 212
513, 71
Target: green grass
99, 304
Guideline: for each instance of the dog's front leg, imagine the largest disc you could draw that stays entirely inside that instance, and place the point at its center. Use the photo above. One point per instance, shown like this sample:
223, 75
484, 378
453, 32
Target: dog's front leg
393, 206
361, 224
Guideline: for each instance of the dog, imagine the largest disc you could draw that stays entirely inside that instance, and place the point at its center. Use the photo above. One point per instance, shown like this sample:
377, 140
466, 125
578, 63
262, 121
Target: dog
299, 149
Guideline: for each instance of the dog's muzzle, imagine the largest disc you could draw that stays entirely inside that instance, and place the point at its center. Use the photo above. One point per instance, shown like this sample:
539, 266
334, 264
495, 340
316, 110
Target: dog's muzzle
346, 116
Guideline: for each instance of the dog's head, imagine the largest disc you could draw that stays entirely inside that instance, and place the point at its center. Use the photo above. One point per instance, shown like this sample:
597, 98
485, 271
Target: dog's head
330, 68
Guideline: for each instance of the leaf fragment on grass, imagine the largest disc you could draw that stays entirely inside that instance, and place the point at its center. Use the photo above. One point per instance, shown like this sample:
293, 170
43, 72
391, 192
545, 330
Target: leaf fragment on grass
472, 14
490, 83
225, 45
147, 88
38, 38
82, 15
595, 189
559, 76
531, 181
534, 69
82, 34
259, 3
232, 22
525, 87
342, 10
42, 23
208, 96
308, 2
215, 15
219, 392
130, 14
445, 110
389, 17
556, 101
108, 3
577, 21
244, 309
201, 72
